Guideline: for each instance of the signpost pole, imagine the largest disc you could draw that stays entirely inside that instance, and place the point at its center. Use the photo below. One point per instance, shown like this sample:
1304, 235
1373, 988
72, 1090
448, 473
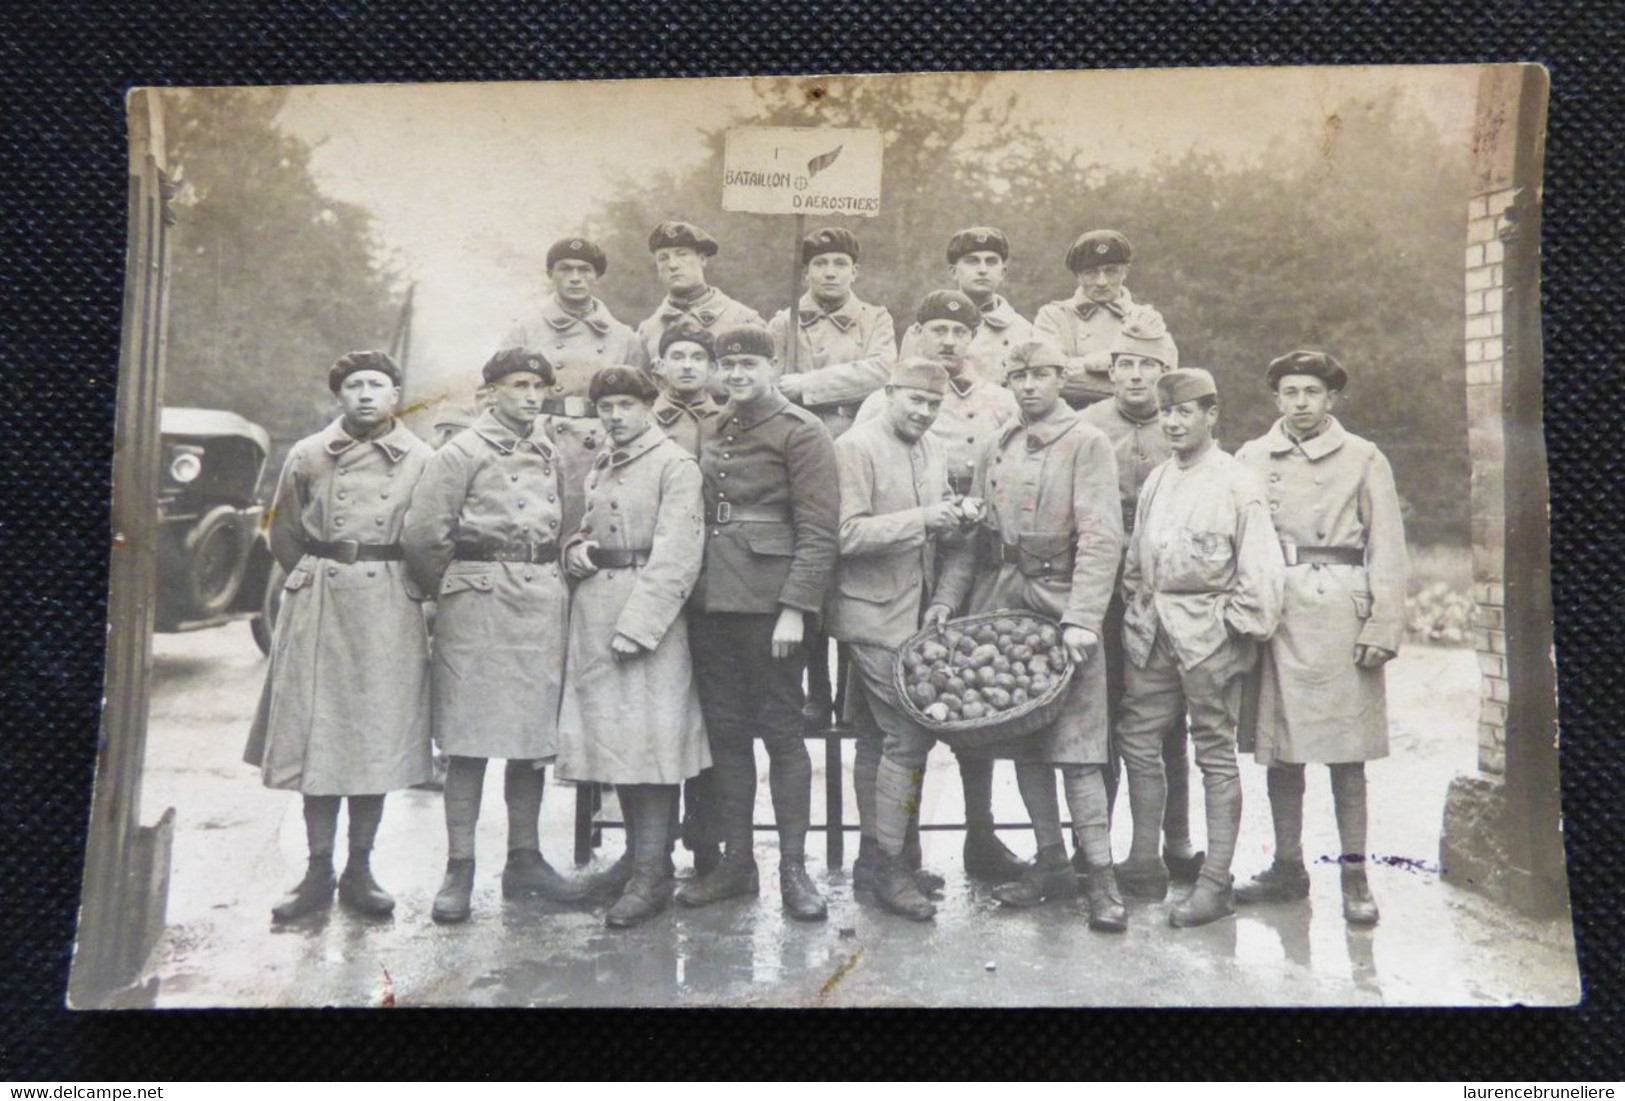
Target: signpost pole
792, 328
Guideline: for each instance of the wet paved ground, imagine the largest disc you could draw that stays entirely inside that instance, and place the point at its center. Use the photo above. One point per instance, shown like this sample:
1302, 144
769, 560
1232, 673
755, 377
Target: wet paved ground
239, 846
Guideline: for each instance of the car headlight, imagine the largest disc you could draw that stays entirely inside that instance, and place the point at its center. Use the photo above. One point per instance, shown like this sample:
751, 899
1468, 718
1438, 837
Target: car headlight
185, 466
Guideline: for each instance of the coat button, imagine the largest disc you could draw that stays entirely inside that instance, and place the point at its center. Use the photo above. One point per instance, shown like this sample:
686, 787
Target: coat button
340, 495
385, 495
372, 571
513, 477
1275, 506
527, 575
521, 504
722, 474
551, 499
552, 523
379, 521
1275, 477
339, 523
332, 571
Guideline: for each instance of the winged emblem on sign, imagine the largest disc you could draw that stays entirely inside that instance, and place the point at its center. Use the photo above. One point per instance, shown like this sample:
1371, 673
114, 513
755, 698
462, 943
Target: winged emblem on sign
823, 161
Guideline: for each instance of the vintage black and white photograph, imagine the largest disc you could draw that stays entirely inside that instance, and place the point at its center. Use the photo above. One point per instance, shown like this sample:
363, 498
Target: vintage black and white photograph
941, 540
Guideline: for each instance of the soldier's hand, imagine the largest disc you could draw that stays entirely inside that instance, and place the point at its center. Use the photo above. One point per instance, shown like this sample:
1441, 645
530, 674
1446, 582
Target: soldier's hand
940, 517
578, 560
787, 633
622, 648
1372, 657
971, 511
937, 616
1080, 642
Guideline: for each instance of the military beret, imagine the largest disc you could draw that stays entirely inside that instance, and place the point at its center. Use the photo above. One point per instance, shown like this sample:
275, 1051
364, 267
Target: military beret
1318, 364
920, 374
744, 340
622, 380
1035, 353
691, 333
977, 239
511, 361
1185, 384
353, 362
1144, 333
577, 248
1096, 249
948, 306
828, 239
682, 235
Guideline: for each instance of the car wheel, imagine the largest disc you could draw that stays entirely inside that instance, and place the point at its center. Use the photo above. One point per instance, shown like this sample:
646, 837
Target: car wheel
217, 558
263, 625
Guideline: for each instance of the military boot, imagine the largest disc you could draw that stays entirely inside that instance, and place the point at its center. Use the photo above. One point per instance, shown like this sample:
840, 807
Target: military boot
866, 868
898, 890
1277, 883
928, 882
1146, 881
801, 897
987, 858
734, 877
454, 902
647, 893
313, 894
1048, 877
706, 858
1208, 902
1107, 914
360, 891
1359, 908
529, 875
611, 882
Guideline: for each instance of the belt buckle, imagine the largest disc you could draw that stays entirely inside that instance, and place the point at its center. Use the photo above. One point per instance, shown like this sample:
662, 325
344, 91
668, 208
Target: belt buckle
347, 551
1289, 551
725, 511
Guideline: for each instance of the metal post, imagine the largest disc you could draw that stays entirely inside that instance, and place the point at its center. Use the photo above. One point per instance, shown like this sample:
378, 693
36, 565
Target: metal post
792, 316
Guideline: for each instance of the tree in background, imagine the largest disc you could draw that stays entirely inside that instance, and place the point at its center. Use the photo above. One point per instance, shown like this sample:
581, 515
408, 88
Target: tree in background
271, 281
1349, 241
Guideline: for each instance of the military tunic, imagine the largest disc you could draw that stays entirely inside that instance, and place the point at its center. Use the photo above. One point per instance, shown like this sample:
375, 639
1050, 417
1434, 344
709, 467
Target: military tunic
713, 311
347, 693
686, 423
842, 355
636, 721
1051, 491
577, 347
973, 410
1002, 328
1081, 328
1333, 489
482, 533
1139, 445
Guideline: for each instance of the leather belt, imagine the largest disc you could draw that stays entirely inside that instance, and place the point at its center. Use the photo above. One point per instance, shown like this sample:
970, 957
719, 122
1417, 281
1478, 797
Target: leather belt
540, 555
1007, 554
348, 550
617, 558
726, 512
961, 483
568, 407
1322, 556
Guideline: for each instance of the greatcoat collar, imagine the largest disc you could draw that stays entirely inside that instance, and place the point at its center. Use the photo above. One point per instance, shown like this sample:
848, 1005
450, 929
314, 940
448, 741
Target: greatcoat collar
394, 444
491, 429
650, 438
843, 317
705, 309
998, 313
1040, 434
1330, 438
671, 409
1085, 307
764, 410
596, 318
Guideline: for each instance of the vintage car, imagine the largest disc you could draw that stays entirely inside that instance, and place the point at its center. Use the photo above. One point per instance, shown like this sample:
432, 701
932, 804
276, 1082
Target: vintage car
214, 559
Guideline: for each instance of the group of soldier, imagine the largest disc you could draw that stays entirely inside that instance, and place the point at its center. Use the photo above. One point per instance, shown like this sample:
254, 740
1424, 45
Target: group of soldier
638, 548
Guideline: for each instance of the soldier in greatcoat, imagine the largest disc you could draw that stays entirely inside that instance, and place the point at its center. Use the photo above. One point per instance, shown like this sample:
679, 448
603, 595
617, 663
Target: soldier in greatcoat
686, 412
578, 336
845, 349
1051, 542
1322, 697
771, 511
483, 534
1140, 355
1086, 325
896, 505
631, 713
1201, 588
978, 264
973, 411
685, 408
682, 252
345, 709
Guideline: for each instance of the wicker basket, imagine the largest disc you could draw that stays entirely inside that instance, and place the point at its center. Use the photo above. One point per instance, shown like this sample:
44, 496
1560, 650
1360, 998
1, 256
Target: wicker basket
1024, 718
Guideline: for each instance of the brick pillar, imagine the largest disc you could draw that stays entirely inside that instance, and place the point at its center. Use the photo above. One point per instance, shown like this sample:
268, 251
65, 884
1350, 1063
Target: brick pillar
1502, 830
1486, 355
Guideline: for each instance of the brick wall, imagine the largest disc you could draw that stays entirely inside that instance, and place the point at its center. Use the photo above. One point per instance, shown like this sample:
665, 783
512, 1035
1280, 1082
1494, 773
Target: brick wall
1485, 275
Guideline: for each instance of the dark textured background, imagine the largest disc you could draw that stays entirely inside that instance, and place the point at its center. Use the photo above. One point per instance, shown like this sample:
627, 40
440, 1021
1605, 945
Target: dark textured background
65, 69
